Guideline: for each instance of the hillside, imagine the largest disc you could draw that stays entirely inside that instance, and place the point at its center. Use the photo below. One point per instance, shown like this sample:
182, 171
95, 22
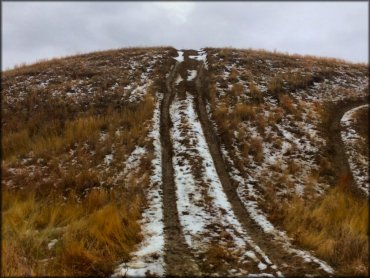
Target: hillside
157, 161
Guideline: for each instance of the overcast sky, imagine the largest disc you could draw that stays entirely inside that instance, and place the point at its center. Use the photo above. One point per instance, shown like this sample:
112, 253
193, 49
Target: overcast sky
38, 30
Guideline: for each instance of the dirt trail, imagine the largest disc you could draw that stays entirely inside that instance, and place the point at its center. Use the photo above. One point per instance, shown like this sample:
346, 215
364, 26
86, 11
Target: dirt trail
287, 263
178, 258
335, 146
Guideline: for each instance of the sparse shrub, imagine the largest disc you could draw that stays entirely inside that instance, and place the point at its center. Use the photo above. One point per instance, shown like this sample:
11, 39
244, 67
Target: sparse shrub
261, 124
245, 111
216, 254
256, 95
286, 102
225, 53
53, 143
233, 77
212, 94
298, 81
87, 242
256, 146
246, 76
275, 86
275, 116
245, 149
220, 113
237, 89
293, 166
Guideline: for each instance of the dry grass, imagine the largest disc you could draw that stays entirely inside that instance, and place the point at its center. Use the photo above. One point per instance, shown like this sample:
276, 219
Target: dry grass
233, 77
57, 184
336, 227
92, 234
275, 86
297, 81
286, 102
245, 112
83, 129
237, 89
255, 93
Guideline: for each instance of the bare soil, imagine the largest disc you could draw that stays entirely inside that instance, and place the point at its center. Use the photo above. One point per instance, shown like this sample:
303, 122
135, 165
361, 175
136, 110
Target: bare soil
178, 258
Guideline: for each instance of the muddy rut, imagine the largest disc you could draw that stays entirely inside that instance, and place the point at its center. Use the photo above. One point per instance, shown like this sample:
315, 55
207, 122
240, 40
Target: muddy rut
335, 146
178, 258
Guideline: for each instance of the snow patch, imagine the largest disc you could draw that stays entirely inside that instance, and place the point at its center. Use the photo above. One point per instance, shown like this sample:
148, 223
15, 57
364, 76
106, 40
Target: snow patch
202, 56
178, 79
52, 243
191, 75
180, 57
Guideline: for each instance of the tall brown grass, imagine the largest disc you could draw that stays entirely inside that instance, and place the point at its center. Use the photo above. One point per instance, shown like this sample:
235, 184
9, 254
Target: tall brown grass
275, 86
92, 234
68, 197
335, 227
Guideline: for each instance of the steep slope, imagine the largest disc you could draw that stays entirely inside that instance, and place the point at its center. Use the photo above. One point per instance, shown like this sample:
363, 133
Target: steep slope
152, 161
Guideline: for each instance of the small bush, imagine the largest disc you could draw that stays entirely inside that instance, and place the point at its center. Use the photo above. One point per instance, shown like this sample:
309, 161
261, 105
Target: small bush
256, 95
298, 81
275, 86
286, 102
245, 111
237, 89
233, 77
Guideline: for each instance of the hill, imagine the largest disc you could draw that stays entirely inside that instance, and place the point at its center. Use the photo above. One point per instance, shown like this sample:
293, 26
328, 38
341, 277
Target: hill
188, 163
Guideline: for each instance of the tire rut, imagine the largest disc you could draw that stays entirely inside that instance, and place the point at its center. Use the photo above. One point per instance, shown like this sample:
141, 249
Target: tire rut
178, 258
335, 145
287, 263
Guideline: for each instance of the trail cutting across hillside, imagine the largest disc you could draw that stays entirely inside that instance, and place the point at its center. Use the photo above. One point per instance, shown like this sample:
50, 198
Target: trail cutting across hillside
354, 143
335, 145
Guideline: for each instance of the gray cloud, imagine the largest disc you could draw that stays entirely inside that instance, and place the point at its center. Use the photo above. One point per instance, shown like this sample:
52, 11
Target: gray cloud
36, 30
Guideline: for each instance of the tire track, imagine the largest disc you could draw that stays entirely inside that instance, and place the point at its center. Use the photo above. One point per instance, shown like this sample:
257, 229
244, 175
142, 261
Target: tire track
178, 258
335, 146
289, 264
351, 138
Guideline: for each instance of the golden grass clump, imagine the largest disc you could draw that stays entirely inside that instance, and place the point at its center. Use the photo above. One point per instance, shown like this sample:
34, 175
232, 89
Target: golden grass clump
335, 227
92, 234
275, 86
286, 102
255, 93
298, 81
245, 111
233, 77
237, 89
